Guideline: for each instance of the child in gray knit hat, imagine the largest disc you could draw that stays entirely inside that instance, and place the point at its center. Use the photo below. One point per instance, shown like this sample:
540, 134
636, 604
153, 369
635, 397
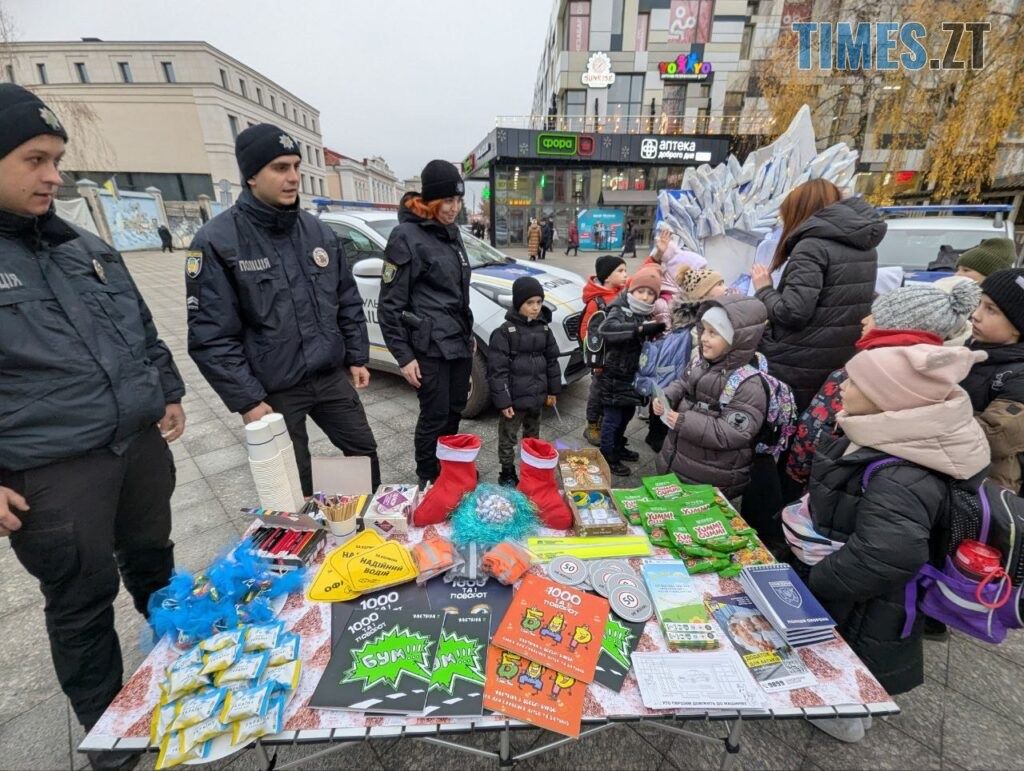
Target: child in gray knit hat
942, 310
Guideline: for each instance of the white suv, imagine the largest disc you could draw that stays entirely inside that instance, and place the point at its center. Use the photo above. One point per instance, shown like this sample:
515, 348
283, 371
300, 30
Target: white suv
364, 234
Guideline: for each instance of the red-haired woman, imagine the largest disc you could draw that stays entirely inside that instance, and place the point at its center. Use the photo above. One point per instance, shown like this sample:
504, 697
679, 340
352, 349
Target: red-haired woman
827, 252
424, 307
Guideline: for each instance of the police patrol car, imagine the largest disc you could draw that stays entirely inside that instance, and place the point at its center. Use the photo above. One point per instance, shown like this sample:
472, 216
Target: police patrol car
916, 233
364, 234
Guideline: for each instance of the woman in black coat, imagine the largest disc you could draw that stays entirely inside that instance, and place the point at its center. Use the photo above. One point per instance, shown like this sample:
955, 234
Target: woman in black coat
828, 252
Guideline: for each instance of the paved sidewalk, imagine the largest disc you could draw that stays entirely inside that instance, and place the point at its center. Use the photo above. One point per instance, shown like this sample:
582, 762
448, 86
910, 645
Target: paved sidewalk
969, 713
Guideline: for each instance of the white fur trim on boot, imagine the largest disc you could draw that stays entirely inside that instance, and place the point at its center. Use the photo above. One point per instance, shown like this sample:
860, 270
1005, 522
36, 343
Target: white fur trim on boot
532, 460
464, 455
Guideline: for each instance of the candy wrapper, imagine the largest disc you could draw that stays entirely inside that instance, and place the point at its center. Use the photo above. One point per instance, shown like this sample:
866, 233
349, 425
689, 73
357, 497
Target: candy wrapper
192, 710
264, 637
219, 660
284, 677
250, 702
244, 731
182, 681
249, 667
287, 650
171, 753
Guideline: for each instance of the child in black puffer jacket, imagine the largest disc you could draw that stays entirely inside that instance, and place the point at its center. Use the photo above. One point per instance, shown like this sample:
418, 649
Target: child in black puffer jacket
522, 371
627, 326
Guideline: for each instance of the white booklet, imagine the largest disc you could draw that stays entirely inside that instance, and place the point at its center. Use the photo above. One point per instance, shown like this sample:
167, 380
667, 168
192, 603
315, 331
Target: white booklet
696, 680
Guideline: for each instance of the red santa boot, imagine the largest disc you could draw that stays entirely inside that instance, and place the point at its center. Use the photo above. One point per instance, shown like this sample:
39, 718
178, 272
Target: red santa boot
537, 482
457, 454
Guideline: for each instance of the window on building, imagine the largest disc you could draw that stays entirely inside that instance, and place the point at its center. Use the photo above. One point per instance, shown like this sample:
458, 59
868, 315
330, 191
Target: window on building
617, 10
746, 42
242, 89
577, 26
259, 94
273, 103
643, 21
9, 73
284, 108
625, 98
304, 120
233, 123
125, 71
575, 102
224, 78
304, 183
733, 104
320, 184
754, 78
704, 92
295, 115
81, 72
313, 121
319, 160
41, 72
168, 69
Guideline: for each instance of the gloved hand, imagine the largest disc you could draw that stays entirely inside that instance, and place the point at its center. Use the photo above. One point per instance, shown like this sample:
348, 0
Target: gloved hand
652, 328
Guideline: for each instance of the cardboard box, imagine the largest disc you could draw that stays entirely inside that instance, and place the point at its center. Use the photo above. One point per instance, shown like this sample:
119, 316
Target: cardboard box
390, 509
579, 477
614, 524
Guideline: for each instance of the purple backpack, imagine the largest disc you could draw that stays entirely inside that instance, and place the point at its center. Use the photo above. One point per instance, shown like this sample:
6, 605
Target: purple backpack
984, 609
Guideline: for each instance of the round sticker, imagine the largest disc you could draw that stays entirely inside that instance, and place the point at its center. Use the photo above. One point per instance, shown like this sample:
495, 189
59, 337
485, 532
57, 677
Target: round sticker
567, 570
630, 604
600, 578
320, 257
615, 580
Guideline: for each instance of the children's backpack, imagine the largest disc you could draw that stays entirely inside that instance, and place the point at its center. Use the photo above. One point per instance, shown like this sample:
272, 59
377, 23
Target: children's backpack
661, 360
985, 609
780, 419
593, 343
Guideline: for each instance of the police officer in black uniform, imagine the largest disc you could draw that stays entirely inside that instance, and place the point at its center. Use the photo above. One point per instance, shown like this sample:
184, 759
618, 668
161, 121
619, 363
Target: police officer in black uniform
89, 399
275, 322
424, 307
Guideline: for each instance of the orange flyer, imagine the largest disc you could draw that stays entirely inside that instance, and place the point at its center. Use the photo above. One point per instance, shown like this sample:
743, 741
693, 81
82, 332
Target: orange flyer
559, 627
527, 691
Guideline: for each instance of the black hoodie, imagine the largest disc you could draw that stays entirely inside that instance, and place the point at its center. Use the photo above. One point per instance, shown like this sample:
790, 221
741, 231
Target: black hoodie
827, 287
424, 290
522, 362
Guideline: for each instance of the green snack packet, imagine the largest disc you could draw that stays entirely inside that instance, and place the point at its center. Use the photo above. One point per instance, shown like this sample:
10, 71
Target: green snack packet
664, 487
730, 572
654, 518
629, 502
726, 545
695, 565
697, 551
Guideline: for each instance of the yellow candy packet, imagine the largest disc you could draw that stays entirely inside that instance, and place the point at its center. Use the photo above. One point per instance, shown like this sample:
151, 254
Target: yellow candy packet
284, 677
244, 731
248, 667
160, 725
263, 637
192, 710
201, 733
221, 640
218, 661
171, 754
182, 681
189, 658
251, 702
287, 649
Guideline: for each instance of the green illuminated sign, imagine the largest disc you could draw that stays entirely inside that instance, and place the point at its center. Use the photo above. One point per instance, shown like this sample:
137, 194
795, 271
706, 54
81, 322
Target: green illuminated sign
557, 144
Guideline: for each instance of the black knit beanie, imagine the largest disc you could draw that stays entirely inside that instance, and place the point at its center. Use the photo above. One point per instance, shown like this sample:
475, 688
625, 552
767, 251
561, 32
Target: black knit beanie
1006, 289
260, 144
441, 180
605, 265
23, 116
523, 288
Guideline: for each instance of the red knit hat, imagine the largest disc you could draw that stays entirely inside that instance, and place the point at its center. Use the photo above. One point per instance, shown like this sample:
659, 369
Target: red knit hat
648, 276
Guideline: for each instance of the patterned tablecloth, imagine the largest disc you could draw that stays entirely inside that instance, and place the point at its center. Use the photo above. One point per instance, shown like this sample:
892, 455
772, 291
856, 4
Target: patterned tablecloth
844, 684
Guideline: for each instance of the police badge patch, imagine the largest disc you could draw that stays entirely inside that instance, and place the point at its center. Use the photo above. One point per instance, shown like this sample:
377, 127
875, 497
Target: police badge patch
193, 264
390, 271
320, 257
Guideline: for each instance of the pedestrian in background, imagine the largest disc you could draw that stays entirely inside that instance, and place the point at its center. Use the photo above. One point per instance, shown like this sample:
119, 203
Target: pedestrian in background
166, 244
424, 308
533, 239
90, 398
275, 322
629, 240
574, 240
547, 237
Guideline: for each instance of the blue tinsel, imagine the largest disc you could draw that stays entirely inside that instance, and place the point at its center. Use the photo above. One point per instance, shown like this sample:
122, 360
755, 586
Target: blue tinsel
470, 524
235, 589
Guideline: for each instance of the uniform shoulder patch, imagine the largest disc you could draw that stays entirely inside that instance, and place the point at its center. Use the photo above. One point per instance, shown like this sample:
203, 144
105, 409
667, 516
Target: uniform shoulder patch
389, 272
193, 264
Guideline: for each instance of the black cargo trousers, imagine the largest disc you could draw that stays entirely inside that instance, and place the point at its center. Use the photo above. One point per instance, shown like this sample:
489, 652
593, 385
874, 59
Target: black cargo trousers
92, 518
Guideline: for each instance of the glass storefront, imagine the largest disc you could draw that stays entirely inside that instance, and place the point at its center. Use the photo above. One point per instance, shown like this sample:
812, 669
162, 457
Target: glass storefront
526, 192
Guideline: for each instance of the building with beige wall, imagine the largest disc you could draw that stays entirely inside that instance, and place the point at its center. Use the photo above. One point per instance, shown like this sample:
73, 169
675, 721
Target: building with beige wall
369, 180
162, 114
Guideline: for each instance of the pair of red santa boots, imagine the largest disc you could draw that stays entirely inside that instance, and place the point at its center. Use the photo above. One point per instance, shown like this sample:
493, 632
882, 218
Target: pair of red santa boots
457, 454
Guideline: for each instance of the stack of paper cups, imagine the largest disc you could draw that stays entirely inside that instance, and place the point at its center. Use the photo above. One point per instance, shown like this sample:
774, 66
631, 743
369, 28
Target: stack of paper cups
283, 441
268, 471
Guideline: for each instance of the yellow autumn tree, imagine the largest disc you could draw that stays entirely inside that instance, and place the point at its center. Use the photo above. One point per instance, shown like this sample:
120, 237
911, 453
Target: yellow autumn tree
949, 123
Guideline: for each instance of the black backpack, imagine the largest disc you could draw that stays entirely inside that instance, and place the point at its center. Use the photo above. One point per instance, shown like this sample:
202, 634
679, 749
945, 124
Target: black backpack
593, 343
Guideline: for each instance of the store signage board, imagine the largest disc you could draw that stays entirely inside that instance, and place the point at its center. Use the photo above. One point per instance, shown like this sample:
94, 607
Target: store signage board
674, 149
687, 67
565, 145
599, 71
